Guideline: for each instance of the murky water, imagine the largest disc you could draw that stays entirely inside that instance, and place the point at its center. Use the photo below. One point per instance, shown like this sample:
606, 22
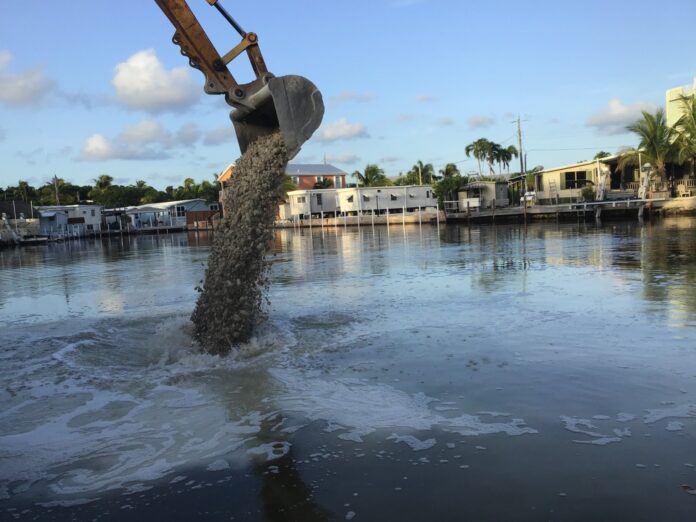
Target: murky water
484, 373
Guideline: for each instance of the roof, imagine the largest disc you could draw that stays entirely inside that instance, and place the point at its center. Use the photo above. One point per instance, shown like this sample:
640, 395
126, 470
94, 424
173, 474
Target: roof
227, 173
67, 207
313, 169
156, 207
580, 163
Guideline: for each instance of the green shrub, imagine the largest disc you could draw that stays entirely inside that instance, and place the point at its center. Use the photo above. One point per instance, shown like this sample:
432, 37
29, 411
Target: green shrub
588, 193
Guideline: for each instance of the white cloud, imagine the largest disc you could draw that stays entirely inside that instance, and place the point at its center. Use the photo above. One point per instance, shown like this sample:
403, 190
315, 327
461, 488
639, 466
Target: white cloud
27, 88
445, 122
345, 159
480, 122
389, 159
145, 140
142, 83
342, 129
617, 115
348, 96
219, 135
424, 98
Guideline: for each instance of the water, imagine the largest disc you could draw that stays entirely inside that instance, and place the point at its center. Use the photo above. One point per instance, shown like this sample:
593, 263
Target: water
404, 374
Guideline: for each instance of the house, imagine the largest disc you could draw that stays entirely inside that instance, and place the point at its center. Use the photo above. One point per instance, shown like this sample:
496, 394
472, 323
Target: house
673, 106
54, 223
170, 214
306, 175
357, 201
82, 217
483, 194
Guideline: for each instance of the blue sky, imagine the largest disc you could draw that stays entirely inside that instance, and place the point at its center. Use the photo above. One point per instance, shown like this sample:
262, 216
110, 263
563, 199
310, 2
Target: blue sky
93, 87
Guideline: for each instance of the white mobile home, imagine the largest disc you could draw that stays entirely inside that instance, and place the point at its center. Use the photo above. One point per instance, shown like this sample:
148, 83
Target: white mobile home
167, 214
483, 194
82, 218
358, 201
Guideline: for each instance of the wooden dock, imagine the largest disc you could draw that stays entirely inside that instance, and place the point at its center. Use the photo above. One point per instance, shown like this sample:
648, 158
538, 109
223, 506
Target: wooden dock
606, 210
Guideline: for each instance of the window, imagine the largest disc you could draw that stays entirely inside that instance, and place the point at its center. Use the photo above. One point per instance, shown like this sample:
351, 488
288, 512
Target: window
320, 179
574, 180
296, 180
366, 198
92, 212
427, 194
350, 199
180, 211
319, 199
337, 182
90, 227
214, 207
394, 197
301, 199
84, 212
540, 183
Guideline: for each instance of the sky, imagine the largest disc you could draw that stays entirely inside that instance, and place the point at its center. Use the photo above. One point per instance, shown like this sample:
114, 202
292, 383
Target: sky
94, 87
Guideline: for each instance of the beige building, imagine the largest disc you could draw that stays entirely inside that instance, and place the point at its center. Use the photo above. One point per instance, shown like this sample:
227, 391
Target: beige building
673, 108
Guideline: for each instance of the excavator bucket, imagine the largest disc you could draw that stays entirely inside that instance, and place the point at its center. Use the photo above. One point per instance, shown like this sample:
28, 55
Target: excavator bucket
292, 104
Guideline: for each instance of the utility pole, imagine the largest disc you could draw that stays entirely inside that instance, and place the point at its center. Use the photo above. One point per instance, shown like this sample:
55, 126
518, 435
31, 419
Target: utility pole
55, 186
420, 175
522, 169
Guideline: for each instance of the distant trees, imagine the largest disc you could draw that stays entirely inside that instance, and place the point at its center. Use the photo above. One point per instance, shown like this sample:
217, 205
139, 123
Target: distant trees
601, 155
104, 192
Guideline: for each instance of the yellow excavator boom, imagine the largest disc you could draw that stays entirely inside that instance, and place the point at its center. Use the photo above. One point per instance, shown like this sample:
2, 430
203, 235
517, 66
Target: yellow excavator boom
291, 104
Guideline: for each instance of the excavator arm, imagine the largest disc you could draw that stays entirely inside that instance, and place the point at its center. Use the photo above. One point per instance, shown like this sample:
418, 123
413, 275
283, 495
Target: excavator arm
291, 104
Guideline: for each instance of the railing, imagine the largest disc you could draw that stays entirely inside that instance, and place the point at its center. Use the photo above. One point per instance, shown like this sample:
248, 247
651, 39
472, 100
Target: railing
633, 185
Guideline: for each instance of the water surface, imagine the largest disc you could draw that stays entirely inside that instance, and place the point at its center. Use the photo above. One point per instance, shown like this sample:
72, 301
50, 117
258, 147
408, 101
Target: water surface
404, 374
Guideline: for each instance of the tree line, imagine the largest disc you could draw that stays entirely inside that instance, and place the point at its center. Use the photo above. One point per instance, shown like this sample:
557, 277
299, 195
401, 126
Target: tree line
105, 192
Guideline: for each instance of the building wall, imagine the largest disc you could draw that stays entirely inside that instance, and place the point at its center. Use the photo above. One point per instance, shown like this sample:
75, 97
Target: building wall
358, 200
673, 109
552, 183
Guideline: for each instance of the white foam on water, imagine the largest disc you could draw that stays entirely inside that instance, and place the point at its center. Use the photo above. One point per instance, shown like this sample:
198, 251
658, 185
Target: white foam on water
361, 408
577, 425
586, 427
414, 443
625, 417
675, 426
271, 450
218, 465
682, 411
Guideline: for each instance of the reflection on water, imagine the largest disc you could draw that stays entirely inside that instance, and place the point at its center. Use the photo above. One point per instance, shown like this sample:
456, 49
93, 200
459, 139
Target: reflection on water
551, 366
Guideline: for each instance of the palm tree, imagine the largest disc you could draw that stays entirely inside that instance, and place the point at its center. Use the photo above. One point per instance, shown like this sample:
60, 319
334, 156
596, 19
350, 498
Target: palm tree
601, 155
657, 143
450, 171
423, 172
505, 156
686, 128
140, 184
478, 149
372, 176
103, 182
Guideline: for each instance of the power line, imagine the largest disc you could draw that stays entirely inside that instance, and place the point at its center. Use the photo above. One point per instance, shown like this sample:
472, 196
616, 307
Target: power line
576, 148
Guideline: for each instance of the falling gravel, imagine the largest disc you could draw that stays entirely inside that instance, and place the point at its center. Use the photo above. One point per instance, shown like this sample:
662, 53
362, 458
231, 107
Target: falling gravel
232, 298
